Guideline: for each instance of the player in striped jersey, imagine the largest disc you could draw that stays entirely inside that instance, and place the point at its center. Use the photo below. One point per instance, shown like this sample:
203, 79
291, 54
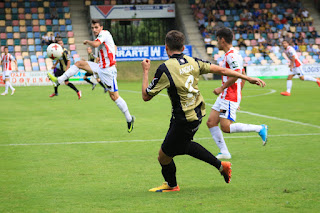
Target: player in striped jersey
92, 58
295, 68
106, 69
224, 109
6, 61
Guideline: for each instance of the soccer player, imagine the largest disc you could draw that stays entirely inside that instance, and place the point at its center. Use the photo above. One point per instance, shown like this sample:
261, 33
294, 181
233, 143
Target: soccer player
5, 61
224, 109
295, 68
106, 70
64, 63
180, 76
92, 58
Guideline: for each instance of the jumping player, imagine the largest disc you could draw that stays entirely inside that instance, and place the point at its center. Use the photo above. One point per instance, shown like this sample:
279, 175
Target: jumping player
295, 68
6, 60
224, 109
106, 70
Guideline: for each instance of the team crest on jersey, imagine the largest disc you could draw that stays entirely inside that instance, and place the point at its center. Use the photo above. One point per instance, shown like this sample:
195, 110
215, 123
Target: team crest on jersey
234, 64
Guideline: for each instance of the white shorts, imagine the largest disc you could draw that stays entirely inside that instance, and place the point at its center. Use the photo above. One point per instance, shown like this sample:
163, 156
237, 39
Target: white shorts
227, 109
108, 76
6, 75
296, 71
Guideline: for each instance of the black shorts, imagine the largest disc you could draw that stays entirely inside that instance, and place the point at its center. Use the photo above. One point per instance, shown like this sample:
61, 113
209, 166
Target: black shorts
58, 73
179, 136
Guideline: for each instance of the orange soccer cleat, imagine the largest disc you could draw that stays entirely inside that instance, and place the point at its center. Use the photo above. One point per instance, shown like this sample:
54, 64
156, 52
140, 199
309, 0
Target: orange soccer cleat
285, 93
226, 171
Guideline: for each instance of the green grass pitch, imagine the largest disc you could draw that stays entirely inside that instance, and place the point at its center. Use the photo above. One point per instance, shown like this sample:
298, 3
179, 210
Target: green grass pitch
76, 155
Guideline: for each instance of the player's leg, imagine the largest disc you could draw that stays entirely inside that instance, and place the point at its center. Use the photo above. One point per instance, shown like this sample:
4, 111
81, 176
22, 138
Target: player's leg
101, 84
306, 77
289, 85
9, 83
6, 87
72, 86
85, 77
56, 73
212, 123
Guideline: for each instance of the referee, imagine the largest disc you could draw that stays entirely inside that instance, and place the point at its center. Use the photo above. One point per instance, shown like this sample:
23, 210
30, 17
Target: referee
64, 63
92, 58
180, 76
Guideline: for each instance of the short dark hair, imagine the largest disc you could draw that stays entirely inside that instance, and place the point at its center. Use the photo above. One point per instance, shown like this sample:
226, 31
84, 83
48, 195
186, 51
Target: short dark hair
96, 21
175, 40
225, 33
5, 47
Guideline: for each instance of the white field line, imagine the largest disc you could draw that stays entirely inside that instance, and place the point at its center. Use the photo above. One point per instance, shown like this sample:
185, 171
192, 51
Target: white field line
151, 140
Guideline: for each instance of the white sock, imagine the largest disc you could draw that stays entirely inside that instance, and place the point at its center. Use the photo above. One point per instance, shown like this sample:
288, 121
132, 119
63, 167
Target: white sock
310, 78
289, 85
10, 85
69, 73
6, 87
122, 105
218, 138
239, 127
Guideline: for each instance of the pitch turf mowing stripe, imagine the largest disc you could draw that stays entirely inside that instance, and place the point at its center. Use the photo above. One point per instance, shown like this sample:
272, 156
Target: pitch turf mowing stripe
150, 140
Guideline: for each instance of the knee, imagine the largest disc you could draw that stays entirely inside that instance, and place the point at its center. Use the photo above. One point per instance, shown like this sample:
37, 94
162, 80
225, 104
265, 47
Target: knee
114, 96
79, 64
302, 78
225, 128
66, 82
211, 123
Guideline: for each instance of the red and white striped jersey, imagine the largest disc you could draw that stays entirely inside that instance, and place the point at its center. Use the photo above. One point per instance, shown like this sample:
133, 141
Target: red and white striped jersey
6, 62
234, 61
291, 52
107, 52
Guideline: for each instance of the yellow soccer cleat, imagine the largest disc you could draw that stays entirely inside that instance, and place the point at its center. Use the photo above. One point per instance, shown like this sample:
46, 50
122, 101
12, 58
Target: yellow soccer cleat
53, 79
165, 188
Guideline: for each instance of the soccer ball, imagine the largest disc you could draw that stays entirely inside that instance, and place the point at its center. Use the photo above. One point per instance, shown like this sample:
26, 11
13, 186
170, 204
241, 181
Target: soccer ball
54, 51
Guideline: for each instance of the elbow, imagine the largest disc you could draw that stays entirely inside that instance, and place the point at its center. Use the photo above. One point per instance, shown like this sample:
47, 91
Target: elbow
146, 97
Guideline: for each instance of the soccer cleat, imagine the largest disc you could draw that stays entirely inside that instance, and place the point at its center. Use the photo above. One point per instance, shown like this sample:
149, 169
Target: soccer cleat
93, 86
264, 134
130, 124
79, 94
223, 156
4, 93
13, 91
53, 79
53, 94
165, 188
318, 81
226, 171
285, 93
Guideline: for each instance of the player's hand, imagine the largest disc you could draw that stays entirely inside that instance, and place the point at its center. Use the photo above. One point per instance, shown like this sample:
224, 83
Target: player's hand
146, 65
217, 91
85, 42
53, 67
257, 81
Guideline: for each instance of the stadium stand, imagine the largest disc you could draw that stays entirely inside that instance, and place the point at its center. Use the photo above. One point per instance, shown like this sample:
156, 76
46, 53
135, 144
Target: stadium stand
259, 28
24, 22
118, 2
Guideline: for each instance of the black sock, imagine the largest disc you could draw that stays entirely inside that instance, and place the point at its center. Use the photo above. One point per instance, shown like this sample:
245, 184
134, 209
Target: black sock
197, 151
87, 80
169, 173
56, 90
73, 87
102, 84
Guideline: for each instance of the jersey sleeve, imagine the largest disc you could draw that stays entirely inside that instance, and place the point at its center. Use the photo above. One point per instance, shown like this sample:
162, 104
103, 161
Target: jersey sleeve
102, 37
234, 64
66, 52
204, 66
159, 82
12, 58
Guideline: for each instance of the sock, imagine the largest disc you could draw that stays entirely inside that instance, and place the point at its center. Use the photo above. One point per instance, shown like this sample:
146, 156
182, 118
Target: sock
72, 87
310, 78
102, 84
239, 127
56, 90
218, 138
289, 85
6, 87
122, 105
197, 151
69, 73
10, 85
87, 80
169, 173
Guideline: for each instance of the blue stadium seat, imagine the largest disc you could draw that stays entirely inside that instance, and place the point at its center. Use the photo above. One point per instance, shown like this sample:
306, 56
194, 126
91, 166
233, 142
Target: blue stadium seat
20, 68
29, 28
27, 4
68, 22
227, 12
55, 22
34, 4
52, 4
33, 58
234, 43
47, 16
42, 22
35, 16
38, 48
37, 35
69, 27
66, 9
35, 68
60, 10
29, 35
16, 29
9, 35
31, 48
14, 10
37, 41
62, 28
44, 49
244, 36
27, 10
10, 48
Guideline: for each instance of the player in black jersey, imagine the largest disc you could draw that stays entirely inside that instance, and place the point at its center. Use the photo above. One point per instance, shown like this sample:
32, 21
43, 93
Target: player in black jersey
92, 58
64, 63
180, 76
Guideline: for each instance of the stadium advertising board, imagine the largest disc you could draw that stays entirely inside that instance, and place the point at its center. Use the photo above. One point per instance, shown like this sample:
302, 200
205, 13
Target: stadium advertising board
281, 71
138, 53
132, 11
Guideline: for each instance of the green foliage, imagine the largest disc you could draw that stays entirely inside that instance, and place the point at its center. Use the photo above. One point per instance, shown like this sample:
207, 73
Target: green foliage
113, 171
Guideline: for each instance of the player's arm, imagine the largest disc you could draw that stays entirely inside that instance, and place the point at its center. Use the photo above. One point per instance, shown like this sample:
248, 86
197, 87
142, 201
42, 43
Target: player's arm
227, 84
16, 63
242, 82
228, 72
145, 79
94, 44
292, 61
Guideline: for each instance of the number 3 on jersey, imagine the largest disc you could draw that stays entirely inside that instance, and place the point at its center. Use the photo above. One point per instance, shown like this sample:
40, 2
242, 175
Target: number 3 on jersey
189, 86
